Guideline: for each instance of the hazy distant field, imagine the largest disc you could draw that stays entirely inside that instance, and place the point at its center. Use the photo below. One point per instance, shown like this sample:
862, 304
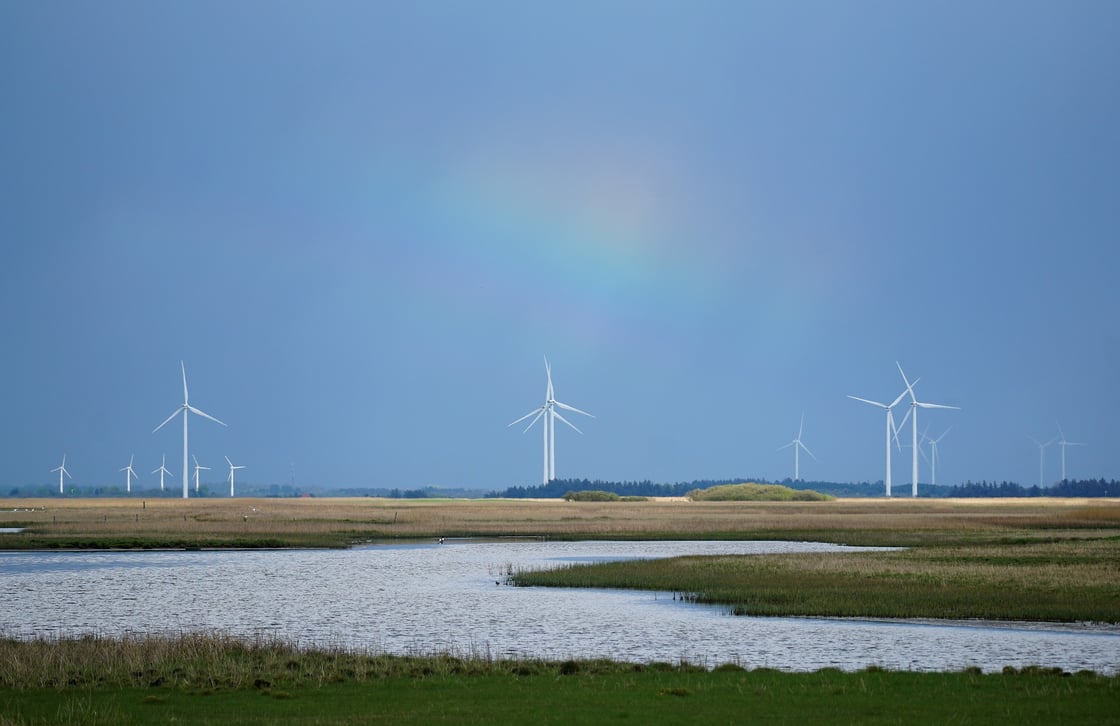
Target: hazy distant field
339, 522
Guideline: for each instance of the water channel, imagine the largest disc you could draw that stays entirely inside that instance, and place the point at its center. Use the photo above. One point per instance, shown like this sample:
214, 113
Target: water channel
435, 598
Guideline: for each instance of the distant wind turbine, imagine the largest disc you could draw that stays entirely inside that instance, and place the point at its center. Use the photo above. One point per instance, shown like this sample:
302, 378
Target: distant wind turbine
891, 431
797, 445
129, 474
197, 466
1041, 457
185, 409
1063, 443
915, 404
232, 468
547, 411
61, 471
162, 470
933, 455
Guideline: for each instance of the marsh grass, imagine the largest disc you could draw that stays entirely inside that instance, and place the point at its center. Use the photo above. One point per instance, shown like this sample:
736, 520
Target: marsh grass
191, 523
1066, 581
218, 680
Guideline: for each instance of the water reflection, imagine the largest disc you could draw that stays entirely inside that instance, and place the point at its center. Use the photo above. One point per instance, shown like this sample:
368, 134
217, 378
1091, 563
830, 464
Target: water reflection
436, 598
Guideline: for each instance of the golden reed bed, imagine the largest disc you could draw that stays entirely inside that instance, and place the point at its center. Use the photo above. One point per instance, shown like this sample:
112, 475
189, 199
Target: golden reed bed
343, 520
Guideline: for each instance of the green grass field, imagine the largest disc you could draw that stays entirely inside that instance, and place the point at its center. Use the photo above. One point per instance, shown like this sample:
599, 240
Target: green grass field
223, 681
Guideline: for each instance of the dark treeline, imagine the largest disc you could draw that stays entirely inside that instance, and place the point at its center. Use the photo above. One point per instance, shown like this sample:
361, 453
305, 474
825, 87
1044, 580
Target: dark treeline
1080, 488
557, 488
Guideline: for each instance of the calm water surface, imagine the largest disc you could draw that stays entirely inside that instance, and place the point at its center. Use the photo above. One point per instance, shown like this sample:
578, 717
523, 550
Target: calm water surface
426, 598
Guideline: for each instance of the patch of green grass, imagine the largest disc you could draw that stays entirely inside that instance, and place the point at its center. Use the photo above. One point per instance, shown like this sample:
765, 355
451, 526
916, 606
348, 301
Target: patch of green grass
643, 696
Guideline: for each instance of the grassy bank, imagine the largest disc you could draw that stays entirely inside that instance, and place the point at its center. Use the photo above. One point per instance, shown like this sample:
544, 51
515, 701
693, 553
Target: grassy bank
217, 680
1070, 581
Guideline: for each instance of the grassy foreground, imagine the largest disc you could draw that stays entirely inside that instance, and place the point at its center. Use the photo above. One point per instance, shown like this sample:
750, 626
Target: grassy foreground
198, 679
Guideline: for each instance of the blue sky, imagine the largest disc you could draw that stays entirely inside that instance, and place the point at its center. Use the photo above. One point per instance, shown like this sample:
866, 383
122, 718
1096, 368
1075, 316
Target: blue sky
363, 225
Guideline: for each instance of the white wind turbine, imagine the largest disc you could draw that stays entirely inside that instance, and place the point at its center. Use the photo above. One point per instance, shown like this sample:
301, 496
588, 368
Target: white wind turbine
130, 473
185, 409
548, 412
933, 455
1041, 456
61, 472
162, 470
197, 466
915, 404
1063, 443
797, 445
232, 468
891, 431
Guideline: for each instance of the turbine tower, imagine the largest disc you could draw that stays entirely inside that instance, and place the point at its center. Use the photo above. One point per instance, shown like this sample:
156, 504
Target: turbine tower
915, 404
547, 411
130, 473
1041, 456
197, 466
61, 472
185, 409
891, 431
1063, 443
231, 470
162, 470
797, 445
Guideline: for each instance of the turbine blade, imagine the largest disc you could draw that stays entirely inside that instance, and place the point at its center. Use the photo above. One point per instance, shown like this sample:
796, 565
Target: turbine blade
801, 427
806, 448
909, 385
197, 412
536, 411
873, 403
900, 427
566, 407
228, 461
540, 412
909, 389
919, 404
786, 446
173, 415
184, 367
566, 421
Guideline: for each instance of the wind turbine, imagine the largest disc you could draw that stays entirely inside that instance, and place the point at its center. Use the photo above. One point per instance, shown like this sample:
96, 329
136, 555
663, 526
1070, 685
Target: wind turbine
797, 445
1063, 443
547, 411
891, 431
933, 455
130, 473
1041, 456
197, 466
61, 471
162, 470
915, 404
185, 409
231, 470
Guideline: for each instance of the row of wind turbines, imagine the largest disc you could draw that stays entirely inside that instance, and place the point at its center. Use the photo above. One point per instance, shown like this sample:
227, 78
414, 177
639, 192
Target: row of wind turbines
548, 414
185, 409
